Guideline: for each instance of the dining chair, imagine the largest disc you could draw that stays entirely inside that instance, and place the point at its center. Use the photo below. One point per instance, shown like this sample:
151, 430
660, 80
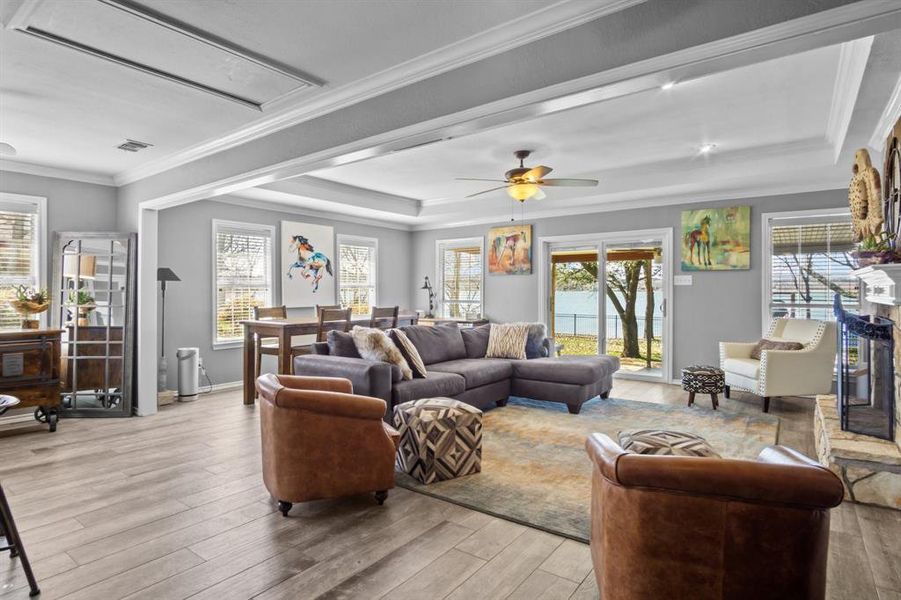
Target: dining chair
321, 307
331, 319
269, 346
384, 317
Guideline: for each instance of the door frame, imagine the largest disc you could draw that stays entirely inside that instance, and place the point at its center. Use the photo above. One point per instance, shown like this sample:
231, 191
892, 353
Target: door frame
601, 240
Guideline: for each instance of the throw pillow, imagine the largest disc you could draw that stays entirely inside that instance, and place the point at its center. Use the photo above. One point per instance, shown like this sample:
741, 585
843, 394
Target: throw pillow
374, 344
535, 341
476, 340
507, 340
766, 344
411, 354
660, 441
341, 343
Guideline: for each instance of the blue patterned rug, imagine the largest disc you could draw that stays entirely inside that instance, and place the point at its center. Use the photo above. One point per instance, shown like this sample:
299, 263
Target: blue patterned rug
535, 470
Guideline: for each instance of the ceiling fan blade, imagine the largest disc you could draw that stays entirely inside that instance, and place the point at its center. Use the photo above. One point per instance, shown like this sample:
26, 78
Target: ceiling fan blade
570, 182
486, 191
479, 179
536, 173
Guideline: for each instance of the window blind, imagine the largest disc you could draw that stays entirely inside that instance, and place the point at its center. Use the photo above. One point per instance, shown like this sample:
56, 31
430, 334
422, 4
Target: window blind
19, 256
461, 283
357, 276
810, 263
243, 277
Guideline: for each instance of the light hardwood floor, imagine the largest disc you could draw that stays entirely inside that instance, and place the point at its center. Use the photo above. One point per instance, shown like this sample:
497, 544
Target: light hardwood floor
172, 506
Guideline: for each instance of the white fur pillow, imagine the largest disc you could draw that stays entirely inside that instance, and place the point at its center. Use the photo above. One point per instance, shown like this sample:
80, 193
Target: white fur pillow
374, 344
507, 340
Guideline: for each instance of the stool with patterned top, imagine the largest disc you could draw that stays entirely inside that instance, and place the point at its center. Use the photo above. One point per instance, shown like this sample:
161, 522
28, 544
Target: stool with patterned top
703, 379
440, 439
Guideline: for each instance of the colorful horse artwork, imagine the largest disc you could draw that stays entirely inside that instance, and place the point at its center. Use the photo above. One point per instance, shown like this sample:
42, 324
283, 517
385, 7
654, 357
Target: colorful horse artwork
700, 239
310, 262
510, 250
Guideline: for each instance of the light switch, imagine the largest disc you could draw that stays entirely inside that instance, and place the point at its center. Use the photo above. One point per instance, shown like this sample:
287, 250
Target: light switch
682, 280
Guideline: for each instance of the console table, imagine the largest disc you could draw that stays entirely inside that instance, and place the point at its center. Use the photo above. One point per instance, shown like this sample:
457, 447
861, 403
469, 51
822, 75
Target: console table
283, 330
30, 370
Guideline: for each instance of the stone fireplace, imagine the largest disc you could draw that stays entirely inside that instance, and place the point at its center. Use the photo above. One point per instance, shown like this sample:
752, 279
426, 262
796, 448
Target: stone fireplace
870, 467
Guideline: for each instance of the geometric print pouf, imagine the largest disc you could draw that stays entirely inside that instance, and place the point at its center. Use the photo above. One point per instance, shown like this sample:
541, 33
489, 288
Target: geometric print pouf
660, 441
440, 439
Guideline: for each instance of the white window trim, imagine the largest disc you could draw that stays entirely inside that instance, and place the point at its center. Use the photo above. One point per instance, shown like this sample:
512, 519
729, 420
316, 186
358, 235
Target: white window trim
251, 228
362, 241
439, 269
41, 203
766, 256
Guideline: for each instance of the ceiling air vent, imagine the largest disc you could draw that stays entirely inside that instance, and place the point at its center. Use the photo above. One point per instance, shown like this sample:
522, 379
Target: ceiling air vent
133, 145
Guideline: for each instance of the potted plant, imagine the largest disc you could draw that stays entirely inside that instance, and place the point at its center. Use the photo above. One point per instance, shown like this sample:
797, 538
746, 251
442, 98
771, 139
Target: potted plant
30, 301
875, 250
85, 303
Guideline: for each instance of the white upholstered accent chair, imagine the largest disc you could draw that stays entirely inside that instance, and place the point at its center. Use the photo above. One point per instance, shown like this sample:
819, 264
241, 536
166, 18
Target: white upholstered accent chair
783, 372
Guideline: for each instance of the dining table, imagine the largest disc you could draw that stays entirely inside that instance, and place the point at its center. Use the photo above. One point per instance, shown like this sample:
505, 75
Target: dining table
283, 330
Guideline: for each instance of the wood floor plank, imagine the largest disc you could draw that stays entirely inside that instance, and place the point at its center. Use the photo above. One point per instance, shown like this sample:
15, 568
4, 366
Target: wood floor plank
258, 578
541, 585
571, 560
439, 578
500, 576
490, 540
880, 530
588, 589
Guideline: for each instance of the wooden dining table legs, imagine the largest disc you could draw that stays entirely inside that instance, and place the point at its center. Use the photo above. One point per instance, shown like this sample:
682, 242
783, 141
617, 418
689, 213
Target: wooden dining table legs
249, 366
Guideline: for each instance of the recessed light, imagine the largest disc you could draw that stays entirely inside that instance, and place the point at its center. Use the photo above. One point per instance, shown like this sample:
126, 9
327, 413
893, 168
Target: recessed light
707, 148
668, 85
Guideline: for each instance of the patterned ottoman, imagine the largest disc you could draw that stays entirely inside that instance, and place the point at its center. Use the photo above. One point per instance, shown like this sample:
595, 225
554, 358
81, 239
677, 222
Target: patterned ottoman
703, 379
440, 438
660, 441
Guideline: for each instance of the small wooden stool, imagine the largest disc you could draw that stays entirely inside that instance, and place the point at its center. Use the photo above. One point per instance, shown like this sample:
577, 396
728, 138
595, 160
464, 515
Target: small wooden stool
703, 379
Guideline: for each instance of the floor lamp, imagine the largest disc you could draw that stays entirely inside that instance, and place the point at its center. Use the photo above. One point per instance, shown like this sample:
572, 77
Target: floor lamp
163, 274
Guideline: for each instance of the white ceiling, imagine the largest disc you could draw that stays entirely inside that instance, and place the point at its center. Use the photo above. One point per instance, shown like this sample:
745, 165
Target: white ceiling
65, 109
770, 105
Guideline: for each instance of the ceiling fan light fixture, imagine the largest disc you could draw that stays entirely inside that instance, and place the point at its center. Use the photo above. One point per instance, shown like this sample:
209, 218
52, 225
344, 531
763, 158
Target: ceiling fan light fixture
7, 149
523, 191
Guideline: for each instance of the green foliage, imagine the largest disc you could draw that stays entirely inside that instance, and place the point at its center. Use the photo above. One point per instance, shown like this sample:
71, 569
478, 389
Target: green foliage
31, 294
880, 243
81, 297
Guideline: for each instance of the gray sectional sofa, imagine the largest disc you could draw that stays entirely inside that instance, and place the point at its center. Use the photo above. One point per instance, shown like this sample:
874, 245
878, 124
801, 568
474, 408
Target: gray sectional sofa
457, 368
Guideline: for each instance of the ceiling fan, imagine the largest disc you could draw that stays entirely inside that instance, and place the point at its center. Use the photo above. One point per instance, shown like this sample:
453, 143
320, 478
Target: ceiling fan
524, 183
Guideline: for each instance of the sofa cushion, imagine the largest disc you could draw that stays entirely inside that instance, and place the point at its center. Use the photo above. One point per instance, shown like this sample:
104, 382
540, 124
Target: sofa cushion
341, 343
476, 371
475, 339
535, 347
437, 344
576, 370
436, 384
746, 367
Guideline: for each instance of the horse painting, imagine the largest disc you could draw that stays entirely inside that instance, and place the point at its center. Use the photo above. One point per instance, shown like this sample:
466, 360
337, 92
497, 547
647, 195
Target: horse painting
510, 250
310, 262
700, 238
716, 239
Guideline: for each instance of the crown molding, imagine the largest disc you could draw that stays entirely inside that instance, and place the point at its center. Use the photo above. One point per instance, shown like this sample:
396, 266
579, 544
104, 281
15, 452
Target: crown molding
656, 199
14, 166
852, 64
889, 116
557, 17
286, 207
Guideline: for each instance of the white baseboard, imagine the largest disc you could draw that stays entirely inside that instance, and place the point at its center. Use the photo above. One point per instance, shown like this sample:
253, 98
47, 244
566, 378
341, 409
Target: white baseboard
227, 386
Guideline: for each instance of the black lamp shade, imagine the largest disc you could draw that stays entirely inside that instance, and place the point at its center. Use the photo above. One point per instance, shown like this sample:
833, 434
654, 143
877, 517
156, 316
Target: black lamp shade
166, 274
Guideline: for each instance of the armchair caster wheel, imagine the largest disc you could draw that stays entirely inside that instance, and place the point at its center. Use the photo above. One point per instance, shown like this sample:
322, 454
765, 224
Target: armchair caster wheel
284, 507
381, 496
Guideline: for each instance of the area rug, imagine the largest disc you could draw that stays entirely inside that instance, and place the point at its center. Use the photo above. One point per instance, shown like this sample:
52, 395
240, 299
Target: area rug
535, 470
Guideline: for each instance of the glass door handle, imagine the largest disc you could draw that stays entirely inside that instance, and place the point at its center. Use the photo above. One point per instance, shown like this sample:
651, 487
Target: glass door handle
663, 307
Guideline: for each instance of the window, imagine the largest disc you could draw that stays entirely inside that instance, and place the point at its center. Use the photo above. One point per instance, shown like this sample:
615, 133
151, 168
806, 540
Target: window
460, 275
243, 276
357, 261
809, 262
21, 242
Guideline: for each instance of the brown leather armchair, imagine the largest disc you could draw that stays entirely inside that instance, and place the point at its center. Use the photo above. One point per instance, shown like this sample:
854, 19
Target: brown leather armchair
322, 441
709, 528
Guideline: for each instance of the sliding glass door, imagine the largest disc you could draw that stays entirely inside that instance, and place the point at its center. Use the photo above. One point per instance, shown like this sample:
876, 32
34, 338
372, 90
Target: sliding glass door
608, 294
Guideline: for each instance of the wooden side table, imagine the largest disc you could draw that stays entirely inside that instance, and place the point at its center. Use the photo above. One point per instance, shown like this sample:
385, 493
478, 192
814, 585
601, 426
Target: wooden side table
30, 371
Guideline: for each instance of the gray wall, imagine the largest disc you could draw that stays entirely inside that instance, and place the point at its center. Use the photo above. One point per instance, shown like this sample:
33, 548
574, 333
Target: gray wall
185, 247
71, 205
721, 305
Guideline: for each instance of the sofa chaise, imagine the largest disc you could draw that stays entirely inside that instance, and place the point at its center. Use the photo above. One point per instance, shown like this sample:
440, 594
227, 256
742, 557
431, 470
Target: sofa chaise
457, 368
